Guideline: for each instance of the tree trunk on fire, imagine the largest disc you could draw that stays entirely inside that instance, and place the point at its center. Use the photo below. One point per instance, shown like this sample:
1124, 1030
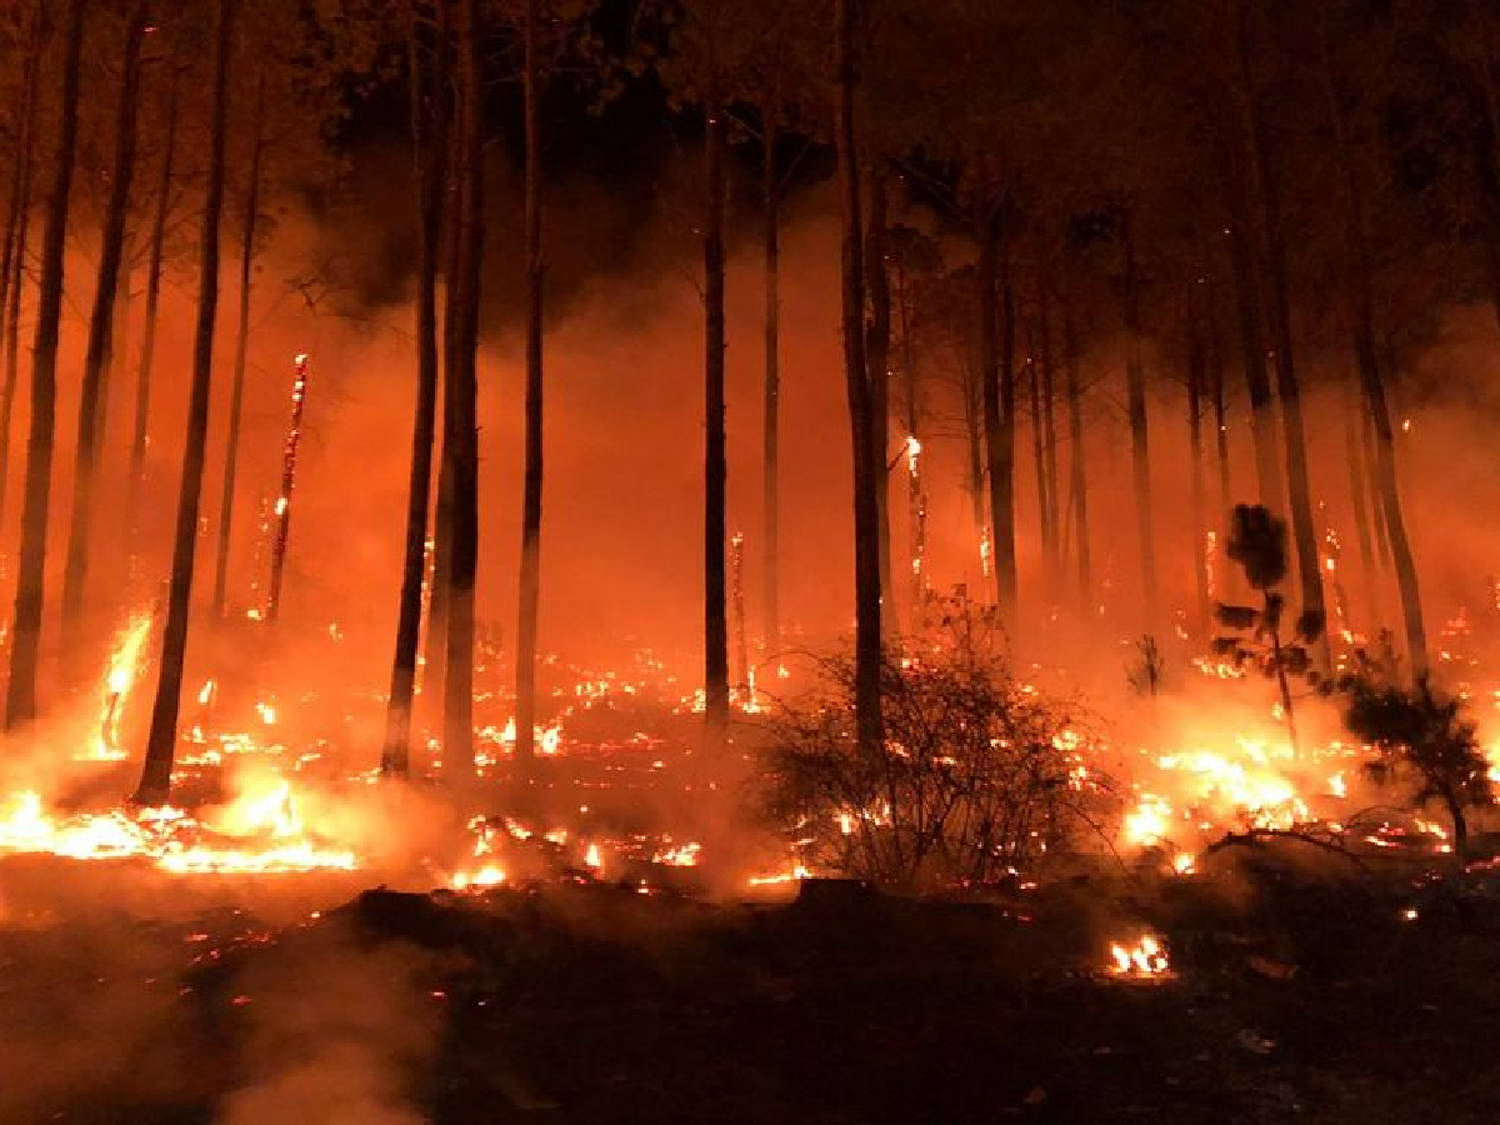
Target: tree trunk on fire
20, 701
241, 352
867, 641
461, 436
101, 328
429, 151
1264, 192
531, 503
156, 776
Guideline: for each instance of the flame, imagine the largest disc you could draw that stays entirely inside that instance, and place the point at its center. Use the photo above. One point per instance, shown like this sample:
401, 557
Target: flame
172, 840
119, 677
1145, 958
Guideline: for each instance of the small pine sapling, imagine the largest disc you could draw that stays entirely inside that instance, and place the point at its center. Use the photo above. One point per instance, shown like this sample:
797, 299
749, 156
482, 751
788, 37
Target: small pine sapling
1258, 542
1423, 736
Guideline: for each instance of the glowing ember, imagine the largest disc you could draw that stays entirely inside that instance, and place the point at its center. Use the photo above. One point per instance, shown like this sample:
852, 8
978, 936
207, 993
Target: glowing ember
685, 855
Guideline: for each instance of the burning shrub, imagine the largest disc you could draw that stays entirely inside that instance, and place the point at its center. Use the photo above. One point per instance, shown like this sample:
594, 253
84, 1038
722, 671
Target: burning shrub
1423, 736
979, 775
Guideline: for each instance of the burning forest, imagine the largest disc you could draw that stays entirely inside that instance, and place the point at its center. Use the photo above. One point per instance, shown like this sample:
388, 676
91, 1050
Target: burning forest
687, 560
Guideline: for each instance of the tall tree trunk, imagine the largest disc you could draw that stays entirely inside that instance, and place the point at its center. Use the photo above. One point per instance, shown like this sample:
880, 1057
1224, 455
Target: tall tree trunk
1253, 353
1361, 499
20, 700
1480, 37
1196, 377
867, 640
1079, 467
1039, 459
429, 150
715, 466
1372, 377
1047, 386
997, 369
241, 354
916, 498
101, 328
1267, 202
1216, 393
461, 437
140, 426
12, 269
1140, 438
531, 504
161, 743
770, 195
975, 433
877, 360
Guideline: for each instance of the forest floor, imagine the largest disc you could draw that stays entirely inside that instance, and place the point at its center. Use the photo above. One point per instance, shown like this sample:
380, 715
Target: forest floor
1292, 994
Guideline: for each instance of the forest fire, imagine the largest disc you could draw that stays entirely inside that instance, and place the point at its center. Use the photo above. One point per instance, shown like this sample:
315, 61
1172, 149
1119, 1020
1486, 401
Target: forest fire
831, 541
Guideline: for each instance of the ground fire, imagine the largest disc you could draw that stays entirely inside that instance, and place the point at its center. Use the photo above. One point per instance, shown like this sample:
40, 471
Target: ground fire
879, 560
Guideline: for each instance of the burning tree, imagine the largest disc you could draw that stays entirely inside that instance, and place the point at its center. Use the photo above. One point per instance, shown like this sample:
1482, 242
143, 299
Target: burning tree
979, 774
1422, 735
1258, 542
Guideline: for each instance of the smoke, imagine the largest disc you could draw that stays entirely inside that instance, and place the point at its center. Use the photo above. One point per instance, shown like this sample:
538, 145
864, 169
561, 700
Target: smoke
337, 1034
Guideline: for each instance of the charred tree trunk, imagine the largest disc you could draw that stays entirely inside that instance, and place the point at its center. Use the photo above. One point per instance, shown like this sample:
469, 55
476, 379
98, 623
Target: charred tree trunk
1267, 202
770, 192
1047, 385
1079, 467
1039, 460
1216, 393
867, 643
461, 436
531, 502
241, 353
12, 269
997, 370
916, 498
429, 149
1490, 91
1373, 380
1360, 499
1196, 377
877, 359
101, 328
20, 700
975, 434
715, 464
1140, 438
161, 744
1253, 356
140, 425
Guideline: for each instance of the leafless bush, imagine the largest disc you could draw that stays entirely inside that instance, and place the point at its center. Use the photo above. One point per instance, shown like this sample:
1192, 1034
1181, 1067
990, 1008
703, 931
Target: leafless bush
980, 775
